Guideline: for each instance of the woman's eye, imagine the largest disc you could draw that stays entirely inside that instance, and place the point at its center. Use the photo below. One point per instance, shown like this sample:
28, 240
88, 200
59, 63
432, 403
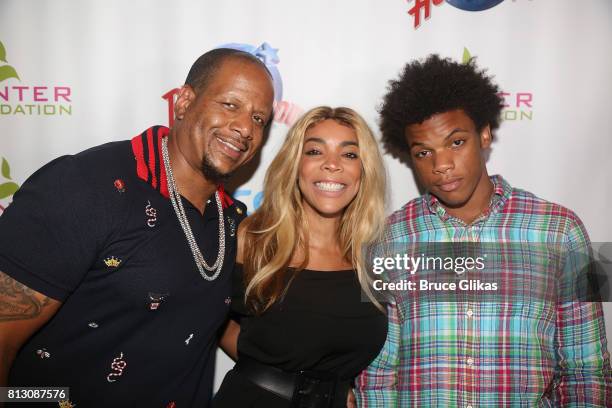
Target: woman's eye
312, 152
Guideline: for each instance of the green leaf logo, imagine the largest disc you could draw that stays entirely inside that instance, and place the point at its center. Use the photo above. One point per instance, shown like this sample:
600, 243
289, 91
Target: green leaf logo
466, 56
6, 71
2, 53
6, 169
8, 189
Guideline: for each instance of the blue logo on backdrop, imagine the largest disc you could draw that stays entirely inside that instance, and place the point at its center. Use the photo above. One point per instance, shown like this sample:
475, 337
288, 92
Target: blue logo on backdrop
474, 5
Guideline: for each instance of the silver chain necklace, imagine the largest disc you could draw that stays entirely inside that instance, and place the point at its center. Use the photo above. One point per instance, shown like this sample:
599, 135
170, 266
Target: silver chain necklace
177, 204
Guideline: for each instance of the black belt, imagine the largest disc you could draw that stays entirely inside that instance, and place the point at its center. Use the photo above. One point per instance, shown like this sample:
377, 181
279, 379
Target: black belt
304, 389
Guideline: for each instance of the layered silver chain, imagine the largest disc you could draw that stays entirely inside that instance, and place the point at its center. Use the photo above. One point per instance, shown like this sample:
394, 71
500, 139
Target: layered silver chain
177, 204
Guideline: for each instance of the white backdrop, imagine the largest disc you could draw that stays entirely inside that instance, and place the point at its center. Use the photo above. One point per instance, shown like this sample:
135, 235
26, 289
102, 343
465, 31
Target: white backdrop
74, 74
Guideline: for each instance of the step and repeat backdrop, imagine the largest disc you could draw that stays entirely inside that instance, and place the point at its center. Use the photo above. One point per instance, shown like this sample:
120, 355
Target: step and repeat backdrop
77, 74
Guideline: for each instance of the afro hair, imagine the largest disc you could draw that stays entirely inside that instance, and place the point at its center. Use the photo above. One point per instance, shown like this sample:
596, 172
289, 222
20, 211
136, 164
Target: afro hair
437, 85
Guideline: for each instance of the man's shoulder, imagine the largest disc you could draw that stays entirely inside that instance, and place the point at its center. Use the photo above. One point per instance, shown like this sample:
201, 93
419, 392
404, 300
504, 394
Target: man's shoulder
105, 155
105, 160
104, 149
239, 210
525, 202
542, 214
81, 171
401, 221
414, 208
102, 156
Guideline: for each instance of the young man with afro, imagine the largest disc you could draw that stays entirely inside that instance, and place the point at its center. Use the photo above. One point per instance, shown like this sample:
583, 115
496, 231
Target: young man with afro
525, 352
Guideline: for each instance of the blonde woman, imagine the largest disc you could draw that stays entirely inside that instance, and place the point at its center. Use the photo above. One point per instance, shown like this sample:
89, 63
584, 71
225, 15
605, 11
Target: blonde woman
302, 329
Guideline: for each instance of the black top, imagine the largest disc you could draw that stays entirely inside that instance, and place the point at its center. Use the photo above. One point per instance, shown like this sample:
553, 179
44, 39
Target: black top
321, 324
138, 323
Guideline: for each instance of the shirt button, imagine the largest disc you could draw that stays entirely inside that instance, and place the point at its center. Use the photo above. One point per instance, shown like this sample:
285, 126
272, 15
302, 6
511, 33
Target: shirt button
470, 361
469, 313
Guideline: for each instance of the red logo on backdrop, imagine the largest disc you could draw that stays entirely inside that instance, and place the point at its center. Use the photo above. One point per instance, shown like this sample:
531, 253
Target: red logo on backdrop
425, 6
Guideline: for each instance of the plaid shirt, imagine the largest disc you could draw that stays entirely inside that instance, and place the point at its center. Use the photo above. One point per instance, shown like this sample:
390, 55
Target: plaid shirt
456, 354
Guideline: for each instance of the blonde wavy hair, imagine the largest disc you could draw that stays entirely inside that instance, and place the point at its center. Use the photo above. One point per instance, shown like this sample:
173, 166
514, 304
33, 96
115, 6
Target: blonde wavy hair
273, 234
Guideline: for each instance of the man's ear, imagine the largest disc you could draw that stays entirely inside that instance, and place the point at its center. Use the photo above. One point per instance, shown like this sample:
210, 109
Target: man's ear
184, 99
486, 137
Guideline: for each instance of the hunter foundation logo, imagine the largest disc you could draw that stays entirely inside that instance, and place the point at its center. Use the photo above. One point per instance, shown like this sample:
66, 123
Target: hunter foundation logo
423, 7
517, 105
7, 186
28, 99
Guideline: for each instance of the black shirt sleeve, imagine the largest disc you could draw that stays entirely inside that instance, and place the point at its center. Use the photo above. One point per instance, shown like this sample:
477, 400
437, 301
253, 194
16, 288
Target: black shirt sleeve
51, 232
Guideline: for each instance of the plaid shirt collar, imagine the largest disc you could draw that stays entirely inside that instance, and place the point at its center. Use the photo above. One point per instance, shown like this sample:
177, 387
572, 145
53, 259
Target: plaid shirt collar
501, 193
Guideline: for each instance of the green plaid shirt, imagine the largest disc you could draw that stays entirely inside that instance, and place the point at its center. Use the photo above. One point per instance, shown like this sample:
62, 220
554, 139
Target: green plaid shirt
493, 354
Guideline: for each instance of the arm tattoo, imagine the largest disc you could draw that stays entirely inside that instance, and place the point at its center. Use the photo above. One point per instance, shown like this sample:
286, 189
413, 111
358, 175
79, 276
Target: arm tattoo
17, 301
